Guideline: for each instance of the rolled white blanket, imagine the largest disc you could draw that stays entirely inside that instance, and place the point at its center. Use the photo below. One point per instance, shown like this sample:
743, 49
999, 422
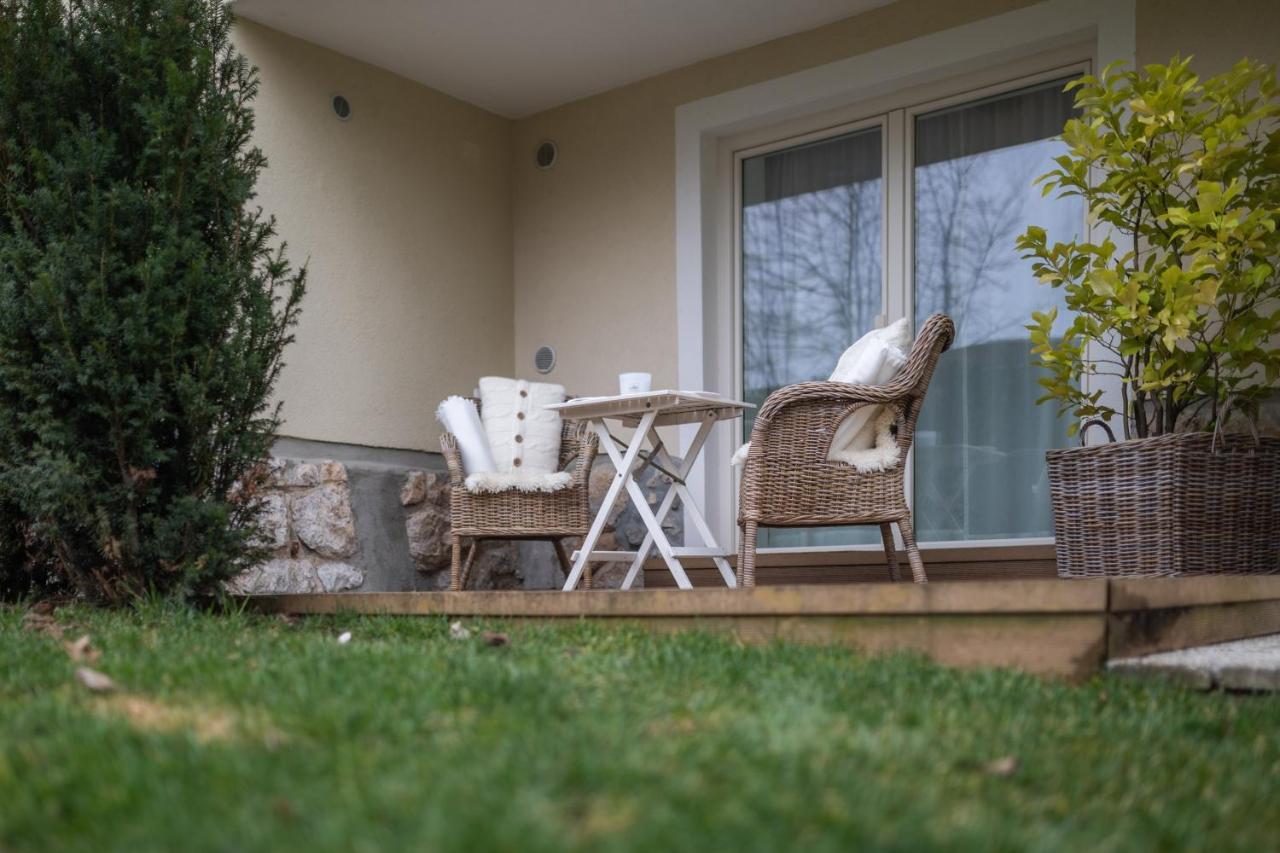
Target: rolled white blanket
459, 416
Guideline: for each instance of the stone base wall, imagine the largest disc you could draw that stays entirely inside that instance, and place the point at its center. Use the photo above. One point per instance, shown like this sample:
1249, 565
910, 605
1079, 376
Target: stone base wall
379, 526
425, 498
308, 523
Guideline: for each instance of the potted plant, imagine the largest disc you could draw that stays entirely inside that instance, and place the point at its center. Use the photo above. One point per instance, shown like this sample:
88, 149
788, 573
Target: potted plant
1175, 301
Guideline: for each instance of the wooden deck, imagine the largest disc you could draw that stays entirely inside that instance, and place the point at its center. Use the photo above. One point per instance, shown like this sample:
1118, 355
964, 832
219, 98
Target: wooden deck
1045, 626
1020, 562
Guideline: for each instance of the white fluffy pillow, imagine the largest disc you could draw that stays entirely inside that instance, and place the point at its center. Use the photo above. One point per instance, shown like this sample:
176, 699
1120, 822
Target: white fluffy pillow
523, 433
864, 438
874, 359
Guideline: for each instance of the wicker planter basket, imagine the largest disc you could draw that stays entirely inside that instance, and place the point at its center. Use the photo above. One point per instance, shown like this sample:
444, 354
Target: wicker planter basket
1179, 504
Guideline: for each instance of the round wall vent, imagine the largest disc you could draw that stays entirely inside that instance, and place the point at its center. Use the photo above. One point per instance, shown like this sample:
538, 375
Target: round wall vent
341, 107
545, 155
544, 359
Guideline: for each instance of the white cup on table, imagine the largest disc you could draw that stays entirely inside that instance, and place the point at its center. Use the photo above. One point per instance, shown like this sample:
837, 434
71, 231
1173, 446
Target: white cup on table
634, 383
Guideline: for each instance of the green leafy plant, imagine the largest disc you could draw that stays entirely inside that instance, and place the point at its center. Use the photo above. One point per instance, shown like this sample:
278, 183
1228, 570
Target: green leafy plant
1178, 299
144, 303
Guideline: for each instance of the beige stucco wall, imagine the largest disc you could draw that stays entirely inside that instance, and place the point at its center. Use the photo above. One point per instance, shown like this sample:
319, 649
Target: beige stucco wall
1218, 34
404, 213
439, 253
595, 237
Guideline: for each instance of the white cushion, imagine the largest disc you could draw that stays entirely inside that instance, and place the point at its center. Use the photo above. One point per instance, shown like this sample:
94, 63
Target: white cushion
874, 359
864, 439
458, 415
524, 434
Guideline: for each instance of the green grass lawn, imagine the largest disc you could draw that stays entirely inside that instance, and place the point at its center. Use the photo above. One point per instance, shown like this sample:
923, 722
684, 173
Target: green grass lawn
241, 732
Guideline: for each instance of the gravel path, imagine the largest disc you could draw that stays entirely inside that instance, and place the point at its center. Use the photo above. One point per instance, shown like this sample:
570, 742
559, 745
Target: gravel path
1241, 665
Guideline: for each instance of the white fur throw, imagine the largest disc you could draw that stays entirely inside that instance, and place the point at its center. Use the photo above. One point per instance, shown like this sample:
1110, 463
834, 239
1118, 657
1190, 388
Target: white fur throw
521, 481
865, 439
524, 434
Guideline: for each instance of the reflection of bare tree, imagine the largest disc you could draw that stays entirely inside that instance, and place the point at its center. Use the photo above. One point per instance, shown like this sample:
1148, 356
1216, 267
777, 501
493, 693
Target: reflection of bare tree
969, 210
985, 463
812, 263
811, 281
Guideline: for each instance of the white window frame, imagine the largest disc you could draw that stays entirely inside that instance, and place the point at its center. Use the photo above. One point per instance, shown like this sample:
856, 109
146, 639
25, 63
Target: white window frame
1006, 51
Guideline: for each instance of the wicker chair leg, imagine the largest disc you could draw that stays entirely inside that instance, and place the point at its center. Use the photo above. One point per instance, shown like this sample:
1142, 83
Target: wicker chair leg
562, 555
466, 567
913, 553
455, 565
890, 553
586, 576
747, 556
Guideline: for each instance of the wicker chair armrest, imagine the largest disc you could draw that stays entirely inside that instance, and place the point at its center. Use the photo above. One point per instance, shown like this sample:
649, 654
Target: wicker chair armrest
588, 446
797, 431
840, 394
452, 458
905, 391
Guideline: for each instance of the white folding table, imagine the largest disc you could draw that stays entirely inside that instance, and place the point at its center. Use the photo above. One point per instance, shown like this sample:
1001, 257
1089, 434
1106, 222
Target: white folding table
645, 413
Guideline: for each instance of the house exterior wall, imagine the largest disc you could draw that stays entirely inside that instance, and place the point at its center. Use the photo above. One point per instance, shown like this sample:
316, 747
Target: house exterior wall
439, 253
1218, 34
594, 238
403, 214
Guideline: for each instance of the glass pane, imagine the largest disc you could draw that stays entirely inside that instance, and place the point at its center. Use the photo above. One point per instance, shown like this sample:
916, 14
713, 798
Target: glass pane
812, 265
979, 464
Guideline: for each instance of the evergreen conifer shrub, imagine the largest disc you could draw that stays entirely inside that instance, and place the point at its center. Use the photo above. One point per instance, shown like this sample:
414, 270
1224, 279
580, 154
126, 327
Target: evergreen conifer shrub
145, 301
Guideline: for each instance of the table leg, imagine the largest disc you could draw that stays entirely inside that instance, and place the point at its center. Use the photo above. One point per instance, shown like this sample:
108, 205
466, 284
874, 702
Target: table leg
621, 479
656, 533
682, 469
704, 530
643, 434
681, 490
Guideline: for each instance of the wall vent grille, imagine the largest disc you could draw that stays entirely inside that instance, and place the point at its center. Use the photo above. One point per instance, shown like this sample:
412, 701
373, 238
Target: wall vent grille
544, 360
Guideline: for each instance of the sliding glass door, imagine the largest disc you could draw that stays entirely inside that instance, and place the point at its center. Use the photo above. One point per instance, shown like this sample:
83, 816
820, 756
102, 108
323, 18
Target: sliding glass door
812, 269
953, 188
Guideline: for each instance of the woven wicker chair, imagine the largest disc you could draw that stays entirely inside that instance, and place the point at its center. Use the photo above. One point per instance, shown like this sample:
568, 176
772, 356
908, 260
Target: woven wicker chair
549, 516
788, 481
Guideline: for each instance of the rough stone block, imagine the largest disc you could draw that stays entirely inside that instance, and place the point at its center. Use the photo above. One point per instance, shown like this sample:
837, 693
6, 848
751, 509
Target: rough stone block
414, 490
335, 577
300, 474
322, 519
273, 521
496, 567
429, 540
279, 576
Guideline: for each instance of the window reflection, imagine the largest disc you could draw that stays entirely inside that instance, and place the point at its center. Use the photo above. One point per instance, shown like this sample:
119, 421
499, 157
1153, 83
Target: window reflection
812, 264
981, 439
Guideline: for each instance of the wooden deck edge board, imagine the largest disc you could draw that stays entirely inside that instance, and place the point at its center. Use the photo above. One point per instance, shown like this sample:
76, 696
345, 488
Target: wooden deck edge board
1127, 594
1133, 633
971, 597
1060, 645
1067, 645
